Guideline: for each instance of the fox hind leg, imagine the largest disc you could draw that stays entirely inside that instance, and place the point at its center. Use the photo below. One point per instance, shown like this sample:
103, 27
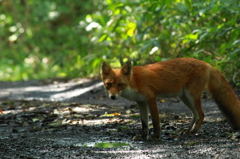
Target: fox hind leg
194, 104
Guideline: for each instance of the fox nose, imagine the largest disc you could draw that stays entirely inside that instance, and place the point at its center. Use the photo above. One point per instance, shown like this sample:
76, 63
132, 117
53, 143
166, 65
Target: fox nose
113, 97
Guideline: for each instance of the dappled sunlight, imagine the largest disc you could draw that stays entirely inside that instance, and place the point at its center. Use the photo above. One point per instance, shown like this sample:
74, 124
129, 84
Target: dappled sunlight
51, 92
24, 116
101, 130
75, 93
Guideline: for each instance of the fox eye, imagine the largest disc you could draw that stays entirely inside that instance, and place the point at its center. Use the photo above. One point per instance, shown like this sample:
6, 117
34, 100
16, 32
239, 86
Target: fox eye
108, 84
120, 84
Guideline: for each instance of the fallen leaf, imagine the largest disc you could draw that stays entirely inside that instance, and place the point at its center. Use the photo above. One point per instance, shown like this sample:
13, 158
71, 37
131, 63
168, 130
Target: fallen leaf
116, 114
162, 101
111, 115
25, 124
73, 104
55, 124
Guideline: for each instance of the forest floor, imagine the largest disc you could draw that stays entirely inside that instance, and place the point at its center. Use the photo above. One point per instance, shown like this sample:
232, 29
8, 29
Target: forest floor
75, 119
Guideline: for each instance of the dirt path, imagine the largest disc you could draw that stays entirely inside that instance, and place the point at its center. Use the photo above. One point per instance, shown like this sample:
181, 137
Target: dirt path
75, 119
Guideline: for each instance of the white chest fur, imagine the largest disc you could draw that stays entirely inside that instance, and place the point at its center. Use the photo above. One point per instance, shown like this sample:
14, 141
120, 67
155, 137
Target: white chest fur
132, 94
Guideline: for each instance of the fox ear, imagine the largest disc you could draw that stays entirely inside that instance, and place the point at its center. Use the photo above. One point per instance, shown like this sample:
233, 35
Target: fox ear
127, 69
105, 68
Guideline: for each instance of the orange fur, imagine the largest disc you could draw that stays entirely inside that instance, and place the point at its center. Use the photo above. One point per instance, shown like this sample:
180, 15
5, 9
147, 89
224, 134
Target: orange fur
183, 77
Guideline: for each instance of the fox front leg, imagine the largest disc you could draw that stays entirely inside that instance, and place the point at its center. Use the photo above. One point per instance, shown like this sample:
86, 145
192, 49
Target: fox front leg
143, 107
144, 119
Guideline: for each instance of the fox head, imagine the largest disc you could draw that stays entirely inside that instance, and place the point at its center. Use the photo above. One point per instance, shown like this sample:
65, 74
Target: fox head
116, 80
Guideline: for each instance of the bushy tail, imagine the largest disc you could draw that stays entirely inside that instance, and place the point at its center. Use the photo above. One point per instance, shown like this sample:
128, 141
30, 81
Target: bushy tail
225, 97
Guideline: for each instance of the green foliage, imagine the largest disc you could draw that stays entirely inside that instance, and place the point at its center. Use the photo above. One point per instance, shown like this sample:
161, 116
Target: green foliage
146, 31
43, 39
50, 38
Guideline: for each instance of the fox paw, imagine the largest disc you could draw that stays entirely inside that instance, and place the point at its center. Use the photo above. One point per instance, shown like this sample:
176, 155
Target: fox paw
152, 138
139, 137
186, 132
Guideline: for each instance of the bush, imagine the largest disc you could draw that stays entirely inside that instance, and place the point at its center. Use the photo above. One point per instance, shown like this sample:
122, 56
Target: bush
65, 38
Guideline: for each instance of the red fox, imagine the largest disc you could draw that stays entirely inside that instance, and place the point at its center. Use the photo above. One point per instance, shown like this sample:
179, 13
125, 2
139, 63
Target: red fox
182, 77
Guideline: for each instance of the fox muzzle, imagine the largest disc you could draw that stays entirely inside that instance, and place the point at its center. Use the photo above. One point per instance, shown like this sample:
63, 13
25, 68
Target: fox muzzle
113, 97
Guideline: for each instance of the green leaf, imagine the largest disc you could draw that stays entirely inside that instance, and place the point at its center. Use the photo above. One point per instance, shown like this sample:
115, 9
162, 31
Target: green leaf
110, 145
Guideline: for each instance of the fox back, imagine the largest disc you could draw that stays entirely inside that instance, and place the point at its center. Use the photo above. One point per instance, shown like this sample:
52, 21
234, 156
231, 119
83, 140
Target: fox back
186, 78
